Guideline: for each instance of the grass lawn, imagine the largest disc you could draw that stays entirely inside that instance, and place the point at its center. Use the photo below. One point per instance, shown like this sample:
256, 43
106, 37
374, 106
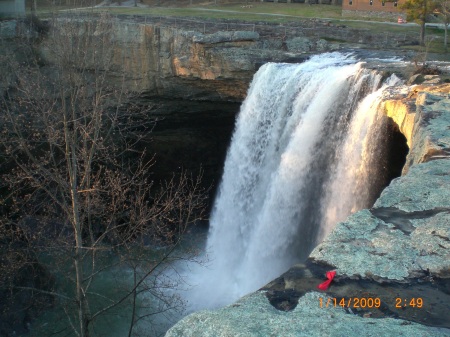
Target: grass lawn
271, 12
261, 11
292, 9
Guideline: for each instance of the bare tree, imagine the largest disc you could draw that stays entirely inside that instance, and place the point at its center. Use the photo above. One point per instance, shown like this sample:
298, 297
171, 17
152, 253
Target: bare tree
419, 10
443, 10
77, 188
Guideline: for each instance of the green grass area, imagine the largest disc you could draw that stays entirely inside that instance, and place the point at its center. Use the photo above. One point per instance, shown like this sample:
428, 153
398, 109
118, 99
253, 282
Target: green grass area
260, 12
267, 12
291, 9
435, 46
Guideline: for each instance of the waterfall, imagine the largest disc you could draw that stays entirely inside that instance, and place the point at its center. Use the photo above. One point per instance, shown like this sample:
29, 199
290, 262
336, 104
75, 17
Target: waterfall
361, 161
300, 141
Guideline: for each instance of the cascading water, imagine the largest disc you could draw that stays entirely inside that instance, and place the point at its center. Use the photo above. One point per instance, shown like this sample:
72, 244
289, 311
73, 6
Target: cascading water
283, 172
360, 161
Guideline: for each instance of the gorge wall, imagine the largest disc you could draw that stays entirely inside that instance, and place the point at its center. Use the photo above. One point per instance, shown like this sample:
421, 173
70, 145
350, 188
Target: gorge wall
167, 62
195, 78
191, 83
212, 61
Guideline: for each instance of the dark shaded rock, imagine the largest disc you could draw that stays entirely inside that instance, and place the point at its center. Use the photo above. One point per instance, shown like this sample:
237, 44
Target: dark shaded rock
189, 135
424, 300
402, 219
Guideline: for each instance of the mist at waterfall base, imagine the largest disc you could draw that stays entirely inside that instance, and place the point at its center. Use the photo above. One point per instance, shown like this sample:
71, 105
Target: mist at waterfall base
304, 155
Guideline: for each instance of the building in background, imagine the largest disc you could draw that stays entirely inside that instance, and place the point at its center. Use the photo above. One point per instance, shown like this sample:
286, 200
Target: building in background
373, 8
389, 9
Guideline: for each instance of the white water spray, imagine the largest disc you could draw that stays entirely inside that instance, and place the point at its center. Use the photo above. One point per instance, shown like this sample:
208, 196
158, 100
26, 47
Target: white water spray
275, 192
354, 177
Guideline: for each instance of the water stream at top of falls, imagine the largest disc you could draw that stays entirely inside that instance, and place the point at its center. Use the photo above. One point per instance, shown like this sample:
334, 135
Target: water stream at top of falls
299, 161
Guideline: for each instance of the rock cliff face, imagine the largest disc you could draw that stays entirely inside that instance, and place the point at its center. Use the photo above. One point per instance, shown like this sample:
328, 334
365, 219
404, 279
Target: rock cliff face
397, 253
423, 118
191, 82
168, 62
160, 58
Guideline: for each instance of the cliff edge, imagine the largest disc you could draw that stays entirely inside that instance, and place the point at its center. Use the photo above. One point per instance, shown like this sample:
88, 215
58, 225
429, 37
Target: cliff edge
392, 262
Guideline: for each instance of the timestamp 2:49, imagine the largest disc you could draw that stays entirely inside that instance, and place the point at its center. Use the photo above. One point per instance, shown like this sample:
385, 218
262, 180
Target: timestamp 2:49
415, 302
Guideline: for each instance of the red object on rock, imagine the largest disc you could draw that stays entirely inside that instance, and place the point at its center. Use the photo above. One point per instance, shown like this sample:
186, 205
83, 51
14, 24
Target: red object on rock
330, 276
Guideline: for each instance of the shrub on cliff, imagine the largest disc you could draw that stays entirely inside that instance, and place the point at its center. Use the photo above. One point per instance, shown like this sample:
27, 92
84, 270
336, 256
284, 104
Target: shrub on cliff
79, 192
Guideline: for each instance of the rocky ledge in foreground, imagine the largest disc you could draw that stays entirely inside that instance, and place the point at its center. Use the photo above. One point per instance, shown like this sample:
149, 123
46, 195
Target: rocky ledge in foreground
392, 262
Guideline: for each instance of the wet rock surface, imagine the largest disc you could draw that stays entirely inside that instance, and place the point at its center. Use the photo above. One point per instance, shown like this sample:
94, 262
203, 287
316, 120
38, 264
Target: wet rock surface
396, 246
392, 261
424, 300
402, 244
253, 315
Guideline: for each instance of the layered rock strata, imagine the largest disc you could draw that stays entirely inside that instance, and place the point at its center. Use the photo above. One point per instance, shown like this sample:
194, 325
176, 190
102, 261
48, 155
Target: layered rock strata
163, 61
161, 58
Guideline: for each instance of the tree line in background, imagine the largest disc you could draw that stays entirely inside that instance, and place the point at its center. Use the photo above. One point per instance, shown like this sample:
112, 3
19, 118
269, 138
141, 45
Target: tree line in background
421, 10
77, 200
